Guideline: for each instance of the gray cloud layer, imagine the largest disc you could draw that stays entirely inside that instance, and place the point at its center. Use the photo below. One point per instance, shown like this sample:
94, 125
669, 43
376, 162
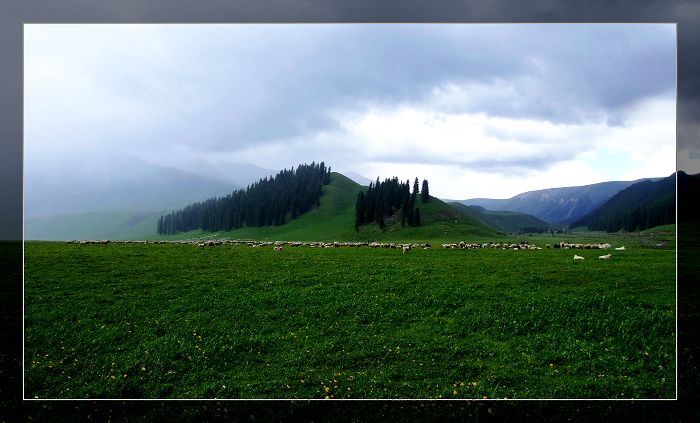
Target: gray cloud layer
224, 87
14, 12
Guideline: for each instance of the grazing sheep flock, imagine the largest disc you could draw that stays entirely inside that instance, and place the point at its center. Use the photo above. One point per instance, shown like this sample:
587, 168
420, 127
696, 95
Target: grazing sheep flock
405, 248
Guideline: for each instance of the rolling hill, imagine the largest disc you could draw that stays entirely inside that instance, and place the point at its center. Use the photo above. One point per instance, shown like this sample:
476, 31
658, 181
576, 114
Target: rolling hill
504, 221
334, 220
557, 205
642, 205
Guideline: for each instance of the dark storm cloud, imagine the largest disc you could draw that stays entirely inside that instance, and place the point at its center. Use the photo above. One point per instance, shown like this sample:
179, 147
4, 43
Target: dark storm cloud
225, 87
13, 13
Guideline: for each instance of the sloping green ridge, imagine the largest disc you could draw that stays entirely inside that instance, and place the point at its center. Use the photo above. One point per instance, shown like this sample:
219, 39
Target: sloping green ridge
334, 220
639, 206
504, 221
440, 221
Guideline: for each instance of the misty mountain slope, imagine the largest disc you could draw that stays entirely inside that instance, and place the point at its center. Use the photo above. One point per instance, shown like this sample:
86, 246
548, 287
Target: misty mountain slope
95, 225
119, 184
557, 205
640, 206
362, 180
503, 221
236, 174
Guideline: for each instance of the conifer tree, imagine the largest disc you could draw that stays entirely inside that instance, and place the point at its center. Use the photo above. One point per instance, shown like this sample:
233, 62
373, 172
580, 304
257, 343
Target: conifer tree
359, 210
425, 196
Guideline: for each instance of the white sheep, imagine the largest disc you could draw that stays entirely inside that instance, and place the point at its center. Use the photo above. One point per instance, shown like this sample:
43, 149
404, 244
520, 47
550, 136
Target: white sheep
605, 257
577, 257
620, 248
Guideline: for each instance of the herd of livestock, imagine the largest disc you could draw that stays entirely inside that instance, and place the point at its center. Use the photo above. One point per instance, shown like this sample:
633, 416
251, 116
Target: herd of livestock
278, 245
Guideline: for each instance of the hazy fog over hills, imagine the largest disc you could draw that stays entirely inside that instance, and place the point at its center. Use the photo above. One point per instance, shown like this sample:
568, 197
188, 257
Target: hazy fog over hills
236, 174
113, 184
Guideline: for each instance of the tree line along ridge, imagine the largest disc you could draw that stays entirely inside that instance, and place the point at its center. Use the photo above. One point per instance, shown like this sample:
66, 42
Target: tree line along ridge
270, 201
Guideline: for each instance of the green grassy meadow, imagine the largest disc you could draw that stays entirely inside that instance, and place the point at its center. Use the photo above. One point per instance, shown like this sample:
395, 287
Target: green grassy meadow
178, 321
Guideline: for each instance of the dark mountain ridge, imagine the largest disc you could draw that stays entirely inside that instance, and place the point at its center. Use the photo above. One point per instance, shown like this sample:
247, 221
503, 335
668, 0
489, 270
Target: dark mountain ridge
640, 206
556, 205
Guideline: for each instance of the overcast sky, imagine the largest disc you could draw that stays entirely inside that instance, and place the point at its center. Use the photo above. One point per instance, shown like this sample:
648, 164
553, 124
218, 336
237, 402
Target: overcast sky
480, 110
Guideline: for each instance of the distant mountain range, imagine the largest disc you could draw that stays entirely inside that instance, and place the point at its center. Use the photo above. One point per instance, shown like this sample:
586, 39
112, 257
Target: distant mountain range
556, 205
113, 184
123, 199
235, 174
640, 206
359, 179
130, 184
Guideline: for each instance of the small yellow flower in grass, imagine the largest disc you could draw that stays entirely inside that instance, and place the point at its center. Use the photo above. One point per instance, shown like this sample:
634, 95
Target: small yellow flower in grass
327, 389
113, 377
485, 397
143, 369
551, 364
461, 383
326, 396
454, 392
302, 381
646, 353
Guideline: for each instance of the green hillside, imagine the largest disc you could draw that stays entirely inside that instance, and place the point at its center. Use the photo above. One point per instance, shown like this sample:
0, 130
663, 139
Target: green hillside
439, 222
503, 221
640, 206
334, 220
